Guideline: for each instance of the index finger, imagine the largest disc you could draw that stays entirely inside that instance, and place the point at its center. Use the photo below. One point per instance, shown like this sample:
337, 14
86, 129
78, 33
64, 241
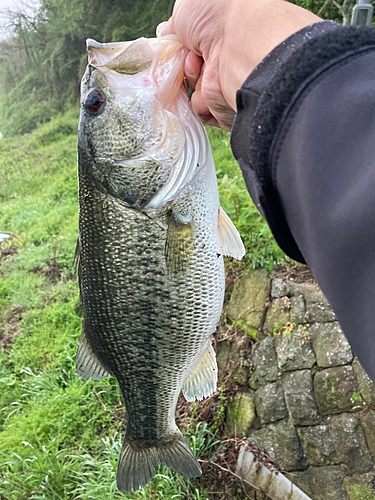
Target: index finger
193, 68
165, 28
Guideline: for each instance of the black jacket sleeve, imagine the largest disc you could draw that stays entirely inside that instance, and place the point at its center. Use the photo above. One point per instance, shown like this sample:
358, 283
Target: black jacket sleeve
304, 137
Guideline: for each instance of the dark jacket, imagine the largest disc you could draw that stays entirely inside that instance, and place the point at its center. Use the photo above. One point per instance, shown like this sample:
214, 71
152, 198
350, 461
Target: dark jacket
304, 137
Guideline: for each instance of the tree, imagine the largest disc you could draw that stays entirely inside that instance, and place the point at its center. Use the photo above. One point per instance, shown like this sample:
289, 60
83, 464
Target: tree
337, 10
49, 43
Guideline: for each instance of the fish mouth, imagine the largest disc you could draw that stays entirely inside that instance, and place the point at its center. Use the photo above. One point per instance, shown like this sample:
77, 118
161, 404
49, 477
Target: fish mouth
127, 58
134, 56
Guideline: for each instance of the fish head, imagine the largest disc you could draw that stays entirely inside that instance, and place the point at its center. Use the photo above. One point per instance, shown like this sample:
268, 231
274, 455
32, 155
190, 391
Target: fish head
128, 86
130, 129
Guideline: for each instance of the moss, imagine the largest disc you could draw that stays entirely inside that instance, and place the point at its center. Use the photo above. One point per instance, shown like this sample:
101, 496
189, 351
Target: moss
277, 317
361, 492
240, 415
245, 328
334, 388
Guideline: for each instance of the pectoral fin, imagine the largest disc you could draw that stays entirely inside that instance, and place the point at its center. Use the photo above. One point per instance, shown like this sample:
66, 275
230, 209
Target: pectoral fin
201, 382
179, 242
230, 239
87, 364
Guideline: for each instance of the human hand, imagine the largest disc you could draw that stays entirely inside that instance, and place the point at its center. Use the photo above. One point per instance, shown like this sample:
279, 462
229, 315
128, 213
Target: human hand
200, 27
227, 39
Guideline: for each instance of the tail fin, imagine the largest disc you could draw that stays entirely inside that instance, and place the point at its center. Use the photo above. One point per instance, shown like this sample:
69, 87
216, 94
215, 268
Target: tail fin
137, 467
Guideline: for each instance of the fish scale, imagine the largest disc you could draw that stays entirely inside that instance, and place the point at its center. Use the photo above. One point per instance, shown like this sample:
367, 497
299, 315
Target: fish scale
151, 265
116, 273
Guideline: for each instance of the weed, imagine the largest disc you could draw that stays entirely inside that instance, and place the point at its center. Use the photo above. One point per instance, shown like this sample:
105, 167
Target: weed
262, 250
221, 409
357, 401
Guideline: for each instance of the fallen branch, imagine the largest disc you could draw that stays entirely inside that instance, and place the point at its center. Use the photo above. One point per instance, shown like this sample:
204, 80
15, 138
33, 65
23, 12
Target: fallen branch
113, 413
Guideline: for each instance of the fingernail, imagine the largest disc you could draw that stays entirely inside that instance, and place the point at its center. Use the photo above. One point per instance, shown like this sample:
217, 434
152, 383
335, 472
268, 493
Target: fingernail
191, 76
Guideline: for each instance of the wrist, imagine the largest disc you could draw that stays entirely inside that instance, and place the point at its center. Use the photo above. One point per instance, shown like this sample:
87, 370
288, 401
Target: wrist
252, 30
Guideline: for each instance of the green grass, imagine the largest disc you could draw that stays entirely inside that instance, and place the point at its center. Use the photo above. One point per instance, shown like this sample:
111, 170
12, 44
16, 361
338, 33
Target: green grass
60, 437
262, 250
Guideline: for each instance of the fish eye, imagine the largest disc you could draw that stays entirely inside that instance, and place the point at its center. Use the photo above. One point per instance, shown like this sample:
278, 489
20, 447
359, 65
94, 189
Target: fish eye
95, 102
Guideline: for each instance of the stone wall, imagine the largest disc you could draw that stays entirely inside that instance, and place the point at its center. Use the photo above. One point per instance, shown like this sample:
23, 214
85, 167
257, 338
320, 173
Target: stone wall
303, 398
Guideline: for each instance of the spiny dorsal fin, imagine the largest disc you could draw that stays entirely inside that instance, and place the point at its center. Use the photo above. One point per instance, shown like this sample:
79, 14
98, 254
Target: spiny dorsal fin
230, 239
179, 242
201, 382
87, 364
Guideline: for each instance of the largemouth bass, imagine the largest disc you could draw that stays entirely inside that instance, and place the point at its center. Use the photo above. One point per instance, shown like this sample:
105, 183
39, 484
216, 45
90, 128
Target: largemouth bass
151, 242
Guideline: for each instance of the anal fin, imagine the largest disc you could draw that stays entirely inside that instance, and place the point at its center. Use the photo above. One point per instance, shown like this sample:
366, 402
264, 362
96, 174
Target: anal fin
202, 381
230, 239
87, 364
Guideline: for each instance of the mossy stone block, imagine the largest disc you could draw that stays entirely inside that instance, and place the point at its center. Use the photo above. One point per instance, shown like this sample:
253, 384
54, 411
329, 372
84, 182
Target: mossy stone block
330, 345
299, 398
249, 297
334, 389
264, 362
293, 351
298, 310
360, 486
366, 386
277, 315
350, 444
368, 426
327, 483
240, 415
270, 403
281, 443
280, 288
317, 445
302, 480
361, 492
319, 312
310, 291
